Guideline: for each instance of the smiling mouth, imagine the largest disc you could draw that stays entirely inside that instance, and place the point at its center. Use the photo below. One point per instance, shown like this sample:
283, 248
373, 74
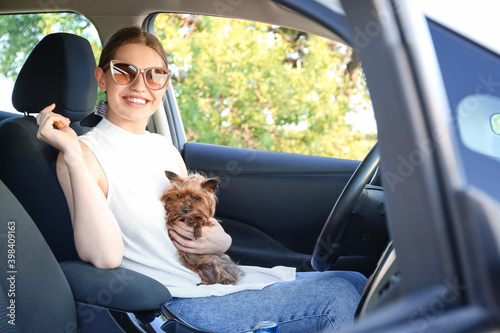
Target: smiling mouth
136, 100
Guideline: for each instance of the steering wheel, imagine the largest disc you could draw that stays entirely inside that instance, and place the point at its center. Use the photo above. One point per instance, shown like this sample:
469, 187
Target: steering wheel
328, 246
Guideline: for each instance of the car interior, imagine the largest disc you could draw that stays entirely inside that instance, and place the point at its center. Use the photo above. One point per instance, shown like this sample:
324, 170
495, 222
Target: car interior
68, 62
57, 292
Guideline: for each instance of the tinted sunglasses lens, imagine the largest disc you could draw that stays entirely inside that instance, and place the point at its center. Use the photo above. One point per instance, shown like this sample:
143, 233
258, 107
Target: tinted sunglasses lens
123, 73
156, 78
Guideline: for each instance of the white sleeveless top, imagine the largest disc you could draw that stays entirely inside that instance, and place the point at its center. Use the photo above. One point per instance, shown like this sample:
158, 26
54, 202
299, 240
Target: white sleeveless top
135, 166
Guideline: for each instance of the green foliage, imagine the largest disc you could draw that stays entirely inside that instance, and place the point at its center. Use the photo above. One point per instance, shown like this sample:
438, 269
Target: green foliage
246, 84
21, 33
237, 83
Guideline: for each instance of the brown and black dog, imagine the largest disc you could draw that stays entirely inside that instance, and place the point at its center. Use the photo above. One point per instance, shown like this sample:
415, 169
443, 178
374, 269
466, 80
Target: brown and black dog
192, 200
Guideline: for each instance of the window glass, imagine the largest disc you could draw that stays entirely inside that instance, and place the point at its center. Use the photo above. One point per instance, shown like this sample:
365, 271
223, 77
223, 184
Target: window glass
471, 76
20, 34
253, 85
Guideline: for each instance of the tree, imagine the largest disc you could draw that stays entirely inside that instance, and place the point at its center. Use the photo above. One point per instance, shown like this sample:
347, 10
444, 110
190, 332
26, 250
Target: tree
237, 83
21, 33
254, 85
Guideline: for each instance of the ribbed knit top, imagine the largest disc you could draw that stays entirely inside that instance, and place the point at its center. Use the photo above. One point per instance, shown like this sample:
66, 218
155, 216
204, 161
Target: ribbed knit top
135, 166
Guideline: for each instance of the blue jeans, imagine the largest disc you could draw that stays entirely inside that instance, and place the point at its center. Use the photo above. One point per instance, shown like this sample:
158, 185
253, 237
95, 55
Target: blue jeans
314, 302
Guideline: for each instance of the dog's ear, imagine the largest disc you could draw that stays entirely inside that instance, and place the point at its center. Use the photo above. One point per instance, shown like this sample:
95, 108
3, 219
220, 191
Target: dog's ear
210, 184
173, 177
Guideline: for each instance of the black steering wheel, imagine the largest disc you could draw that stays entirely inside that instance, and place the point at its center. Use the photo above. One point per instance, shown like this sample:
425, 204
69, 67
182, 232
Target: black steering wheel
327, 249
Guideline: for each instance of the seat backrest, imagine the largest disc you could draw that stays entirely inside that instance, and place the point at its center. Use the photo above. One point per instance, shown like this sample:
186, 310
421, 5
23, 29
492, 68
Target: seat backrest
34, 295
60, 70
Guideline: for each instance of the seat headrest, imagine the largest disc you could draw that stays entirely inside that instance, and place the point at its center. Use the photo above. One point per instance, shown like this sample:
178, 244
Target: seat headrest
60, 70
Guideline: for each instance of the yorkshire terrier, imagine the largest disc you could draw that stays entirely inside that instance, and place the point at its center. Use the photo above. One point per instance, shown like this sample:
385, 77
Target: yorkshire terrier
192, 200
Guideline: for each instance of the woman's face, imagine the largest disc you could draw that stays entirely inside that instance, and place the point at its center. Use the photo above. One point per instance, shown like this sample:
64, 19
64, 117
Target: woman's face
130, 106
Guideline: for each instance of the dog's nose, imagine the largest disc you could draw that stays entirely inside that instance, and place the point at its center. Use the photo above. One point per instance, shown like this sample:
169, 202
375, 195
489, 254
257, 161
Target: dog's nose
185, 210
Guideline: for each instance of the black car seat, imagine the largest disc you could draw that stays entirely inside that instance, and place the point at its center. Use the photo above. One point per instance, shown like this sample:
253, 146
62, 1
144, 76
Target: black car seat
35, 294
59, 70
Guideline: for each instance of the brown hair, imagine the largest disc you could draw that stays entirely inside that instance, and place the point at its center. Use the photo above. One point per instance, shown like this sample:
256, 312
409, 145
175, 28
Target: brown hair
131, 35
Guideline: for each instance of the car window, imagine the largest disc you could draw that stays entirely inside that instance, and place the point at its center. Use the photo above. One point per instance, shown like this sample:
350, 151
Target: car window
20, 34
254, 85
472, 82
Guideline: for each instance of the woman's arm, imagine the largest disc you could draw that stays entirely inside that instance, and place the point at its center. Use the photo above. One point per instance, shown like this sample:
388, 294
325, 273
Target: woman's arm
98, 238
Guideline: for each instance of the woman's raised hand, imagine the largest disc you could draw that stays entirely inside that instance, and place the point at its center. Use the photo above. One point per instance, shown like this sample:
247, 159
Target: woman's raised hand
61, 138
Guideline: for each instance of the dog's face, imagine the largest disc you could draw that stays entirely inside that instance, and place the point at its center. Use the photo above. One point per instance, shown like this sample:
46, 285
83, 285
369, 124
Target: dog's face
189, 199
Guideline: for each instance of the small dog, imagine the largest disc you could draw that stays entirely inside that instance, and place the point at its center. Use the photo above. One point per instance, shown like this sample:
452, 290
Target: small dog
192, 200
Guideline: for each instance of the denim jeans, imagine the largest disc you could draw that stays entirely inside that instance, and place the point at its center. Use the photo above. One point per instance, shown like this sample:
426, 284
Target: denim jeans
314, 302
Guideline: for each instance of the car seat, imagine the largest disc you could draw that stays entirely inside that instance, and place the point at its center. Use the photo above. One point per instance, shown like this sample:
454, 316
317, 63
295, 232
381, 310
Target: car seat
59, 70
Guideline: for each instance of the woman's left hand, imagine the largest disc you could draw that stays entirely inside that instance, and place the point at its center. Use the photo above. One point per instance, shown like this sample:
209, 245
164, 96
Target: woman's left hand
214, 239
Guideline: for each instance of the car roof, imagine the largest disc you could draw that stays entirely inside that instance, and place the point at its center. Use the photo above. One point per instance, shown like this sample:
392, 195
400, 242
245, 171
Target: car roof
110, 14
475, 20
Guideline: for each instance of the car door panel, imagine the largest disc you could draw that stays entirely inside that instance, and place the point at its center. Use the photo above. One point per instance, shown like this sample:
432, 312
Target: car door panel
277, 202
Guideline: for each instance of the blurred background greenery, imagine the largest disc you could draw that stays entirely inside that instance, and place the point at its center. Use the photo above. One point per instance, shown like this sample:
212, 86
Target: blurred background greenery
239, 83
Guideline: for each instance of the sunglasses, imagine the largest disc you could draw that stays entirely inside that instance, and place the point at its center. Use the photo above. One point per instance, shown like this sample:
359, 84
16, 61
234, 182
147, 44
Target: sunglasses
156, 78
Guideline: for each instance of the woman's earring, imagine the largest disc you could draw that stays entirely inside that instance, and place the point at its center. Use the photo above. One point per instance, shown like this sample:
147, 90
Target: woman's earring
101, 108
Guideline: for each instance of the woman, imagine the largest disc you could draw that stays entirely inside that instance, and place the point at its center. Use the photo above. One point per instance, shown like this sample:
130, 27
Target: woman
113, 177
